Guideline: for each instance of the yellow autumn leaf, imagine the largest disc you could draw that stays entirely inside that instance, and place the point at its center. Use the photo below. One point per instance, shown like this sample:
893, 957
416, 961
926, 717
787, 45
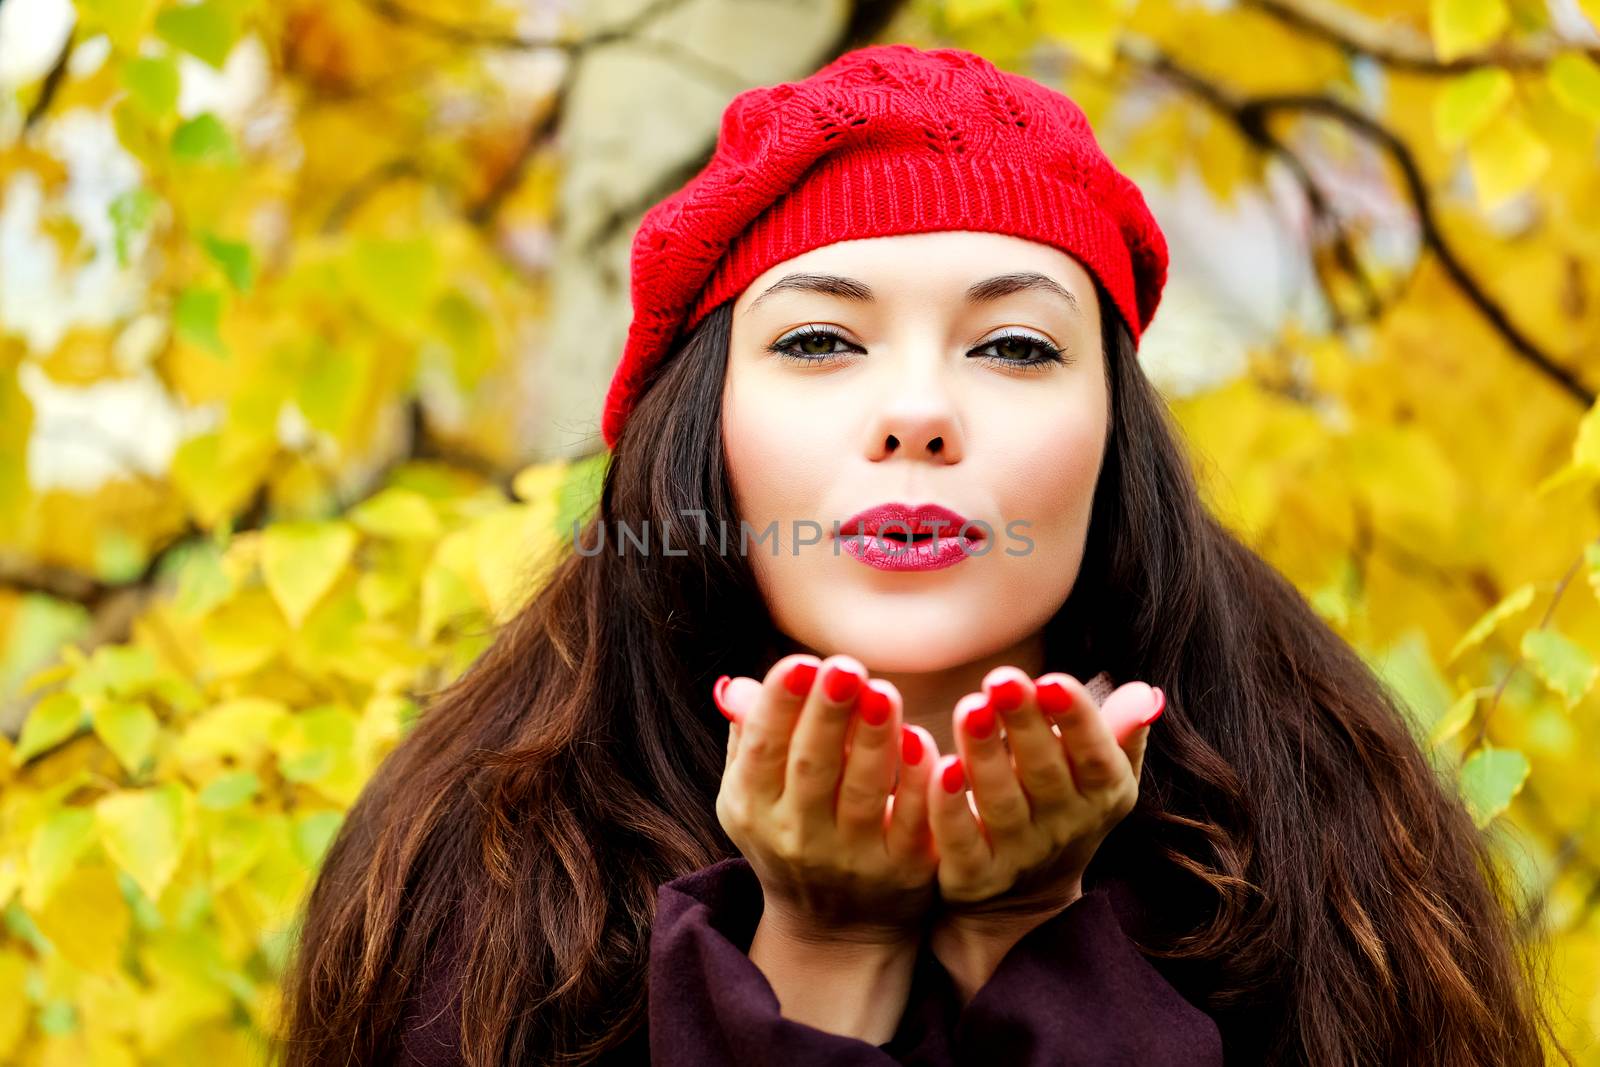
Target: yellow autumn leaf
1089, 28
1461, 27
301, 560
397, 513
88, 920
143, 831
1574, 79
1507, 156
1467, 102
511, 545
450, 584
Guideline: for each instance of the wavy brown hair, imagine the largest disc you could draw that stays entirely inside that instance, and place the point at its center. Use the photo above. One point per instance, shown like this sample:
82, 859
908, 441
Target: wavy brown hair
1297, 856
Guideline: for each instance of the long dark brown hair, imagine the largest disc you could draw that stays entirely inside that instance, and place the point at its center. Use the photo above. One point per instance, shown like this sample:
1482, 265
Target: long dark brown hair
1311, 881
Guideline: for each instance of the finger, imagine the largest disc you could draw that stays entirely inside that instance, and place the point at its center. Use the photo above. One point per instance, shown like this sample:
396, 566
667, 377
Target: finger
729, 713
869, 765
1002, 805
767, 725
1129, 707
1098, 764
958, 837
908, 834
816, 751
1134, 743
1036, 750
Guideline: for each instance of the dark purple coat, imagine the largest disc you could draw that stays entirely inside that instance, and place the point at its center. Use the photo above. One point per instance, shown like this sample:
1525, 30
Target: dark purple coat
1073, 991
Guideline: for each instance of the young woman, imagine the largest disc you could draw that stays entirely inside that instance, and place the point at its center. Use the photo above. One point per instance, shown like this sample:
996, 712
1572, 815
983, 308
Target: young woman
807, 769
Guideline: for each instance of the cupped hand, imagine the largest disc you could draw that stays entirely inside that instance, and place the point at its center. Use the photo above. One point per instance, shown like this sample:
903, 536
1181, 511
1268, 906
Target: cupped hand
810, 797
1044, 802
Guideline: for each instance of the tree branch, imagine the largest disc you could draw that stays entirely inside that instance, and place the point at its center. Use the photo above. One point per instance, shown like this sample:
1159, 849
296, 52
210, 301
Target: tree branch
1413, 54
1250, 115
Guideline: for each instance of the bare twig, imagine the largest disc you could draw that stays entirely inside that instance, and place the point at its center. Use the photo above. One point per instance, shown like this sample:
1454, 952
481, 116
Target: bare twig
1251, 115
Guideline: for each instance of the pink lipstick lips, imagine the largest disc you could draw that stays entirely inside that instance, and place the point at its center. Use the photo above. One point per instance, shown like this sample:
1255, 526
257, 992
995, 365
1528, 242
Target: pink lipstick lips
905, 537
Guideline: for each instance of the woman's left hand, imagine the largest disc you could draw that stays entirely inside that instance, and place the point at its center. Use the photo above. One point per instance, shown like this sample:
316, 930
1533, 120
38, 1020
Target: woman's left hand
1044, 803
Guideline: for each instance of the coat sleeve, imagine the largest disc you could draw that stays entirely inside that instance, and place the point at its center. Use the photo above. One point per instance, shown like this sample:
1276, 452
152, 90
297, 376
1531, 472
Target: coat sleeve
710, 1006
1075, 992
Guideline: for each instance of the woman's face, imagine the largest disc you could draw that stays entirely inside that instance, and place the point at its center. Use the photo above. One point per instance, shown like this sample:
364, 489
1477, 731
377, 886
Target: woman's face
914, 370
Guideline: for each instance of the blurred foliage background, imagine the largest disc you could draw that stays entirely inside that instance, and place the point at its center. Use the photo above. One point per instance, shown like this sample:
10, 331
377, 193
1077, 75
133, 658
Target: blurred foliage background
307, 307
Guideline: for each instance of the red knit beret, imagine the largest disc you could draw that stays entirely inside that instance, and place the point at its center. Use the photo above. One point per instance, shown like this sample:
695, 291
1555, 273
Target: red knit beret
886, 139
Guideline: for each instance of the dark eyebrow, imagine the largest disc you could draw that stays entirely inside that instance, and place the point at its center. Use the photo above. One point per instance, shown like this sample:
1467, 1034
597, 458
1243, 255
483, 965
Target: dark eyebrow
981, 292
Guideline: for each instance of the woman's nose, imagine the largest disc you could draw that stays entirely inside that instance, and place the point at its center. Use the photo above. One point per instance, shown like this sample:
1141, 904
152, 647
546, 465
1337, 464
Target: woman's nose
922, 425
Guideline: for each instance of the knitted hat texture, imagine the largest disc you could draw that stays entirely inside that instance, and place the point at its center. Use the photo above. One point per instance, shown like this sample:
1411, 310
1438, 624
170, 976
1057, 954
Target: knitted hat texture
886, 139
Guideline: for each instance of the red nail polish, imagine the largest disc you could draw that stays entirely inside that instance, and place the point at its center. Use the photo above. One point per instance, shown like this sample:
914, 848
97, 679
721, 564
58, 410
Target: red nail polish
840, 684
716, 694
874, 706
1054, 697
1007, 696
980, 720
910, 746
953, 777
1160, 705
800, 677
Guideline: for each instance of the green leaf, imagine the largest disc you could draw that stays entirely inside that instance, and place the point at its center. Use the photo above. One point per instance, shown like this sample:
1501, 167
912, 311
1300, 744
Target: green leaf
234, 257
1456, 719
53, 719
313, 834
207, 30
1513, 603
203, 583
1408, 670
143, 832
230, 790
204, 139
1591, 561
301, 560
152, 83
130, 213
197, 316
394, 279
38, 629
580, 494
129, 729
1467, 102
1490, 778
57, 842
1461, 27
1561, 663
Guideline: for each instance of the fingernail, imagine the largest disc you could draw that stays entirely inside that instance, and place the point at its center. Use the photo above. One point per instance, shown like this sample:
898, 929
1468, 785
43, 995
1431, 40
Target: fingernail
1053, 696
980, 720
954, 776
910, 746
800, 677
1160, 705
716, 694
840, 683
1007, 695
874, 706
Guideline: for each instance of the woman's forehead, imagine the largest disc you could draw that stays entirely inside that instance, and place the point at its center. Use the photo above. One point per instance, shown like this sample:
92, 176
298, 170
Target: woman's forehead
949, 263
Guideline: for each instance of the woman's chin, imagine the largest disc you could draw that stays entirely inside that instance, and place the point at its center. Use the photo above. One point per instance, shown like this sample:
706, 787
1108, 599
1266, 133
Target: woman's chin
922, 643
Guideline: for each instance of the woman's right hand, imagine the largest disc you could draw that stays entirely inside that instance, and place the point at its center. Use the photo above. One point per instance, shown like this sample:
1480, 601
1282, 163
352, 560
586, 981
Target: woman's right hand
812, 756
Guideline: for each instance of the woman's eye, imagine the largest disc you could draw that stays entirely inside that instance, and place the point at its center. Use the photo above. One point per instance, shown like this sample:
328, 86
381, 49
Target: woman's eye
815, 344
1021, 350
811, 344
